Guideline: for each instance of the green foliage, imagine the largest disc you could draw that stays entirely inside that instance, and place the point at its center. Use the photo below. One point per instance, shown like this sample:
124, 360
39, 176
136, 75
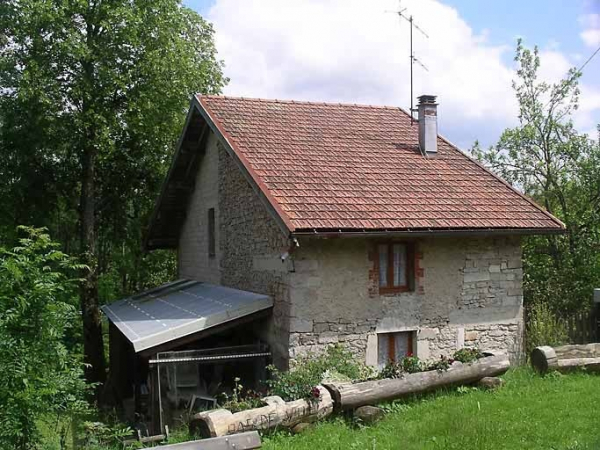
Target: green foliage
522, 415
411, 364
38, 377
98, 435
241, 399
544, 327
300, 381
93, 96
546, 158
441, 364
467, 354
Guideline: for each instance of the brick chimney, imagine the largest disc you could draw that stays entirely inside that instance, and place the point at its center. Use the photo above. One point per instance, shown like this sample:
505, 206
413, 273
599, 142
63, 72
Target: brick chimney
428, 125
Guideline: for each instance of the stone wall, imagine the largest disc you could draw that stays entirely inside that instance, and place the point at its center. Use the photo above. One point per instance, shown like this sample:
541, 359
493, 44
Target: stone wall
251, 246
468, 292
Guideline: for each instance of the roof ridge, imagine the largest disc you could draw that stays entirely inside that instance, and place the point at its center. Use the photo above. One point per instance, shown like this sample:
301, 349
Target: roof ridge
303, 102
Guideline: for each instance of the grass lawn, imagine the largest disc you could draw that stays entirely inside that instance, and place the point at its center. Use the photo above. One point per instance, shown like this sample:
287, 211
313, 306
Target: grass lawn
529, 412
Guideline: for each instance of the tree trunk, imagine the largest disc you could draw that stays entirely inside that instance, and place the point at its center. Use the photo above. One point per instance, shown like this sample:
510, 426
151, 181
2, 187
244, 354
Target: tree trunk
352, 395
277, 413
566, 358
93, 345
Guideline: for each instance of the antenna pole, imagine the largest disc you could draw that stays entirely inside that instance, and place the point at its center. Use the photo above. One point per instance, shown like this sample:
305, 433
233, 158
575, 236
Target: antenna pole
412, 61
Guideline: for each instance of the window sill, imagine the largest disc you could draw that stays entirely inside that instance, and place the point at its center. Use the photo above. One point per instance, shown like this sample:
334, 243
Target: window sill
396, 290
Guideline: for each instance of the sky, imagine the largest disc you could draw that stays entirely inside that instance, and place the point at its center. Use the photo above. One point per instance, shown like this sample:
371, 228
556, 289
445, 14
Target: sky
357, 51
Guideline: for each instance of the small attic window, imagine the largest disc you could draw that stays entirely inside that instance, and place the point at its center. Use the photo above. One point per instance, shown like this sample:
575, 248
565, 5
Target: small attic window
211, 233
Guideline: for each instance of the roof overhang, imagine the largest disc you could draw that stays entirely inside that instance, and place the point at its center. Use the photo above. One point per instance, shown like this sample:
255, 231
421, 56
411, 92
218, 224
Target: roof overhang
431, 232
180, 309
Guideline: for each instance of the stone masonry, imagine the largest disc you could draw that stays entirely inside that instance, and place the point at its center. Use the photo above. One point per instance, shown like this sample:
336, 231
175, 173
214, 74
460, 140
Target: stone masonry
468, 294
468, 290
248, 242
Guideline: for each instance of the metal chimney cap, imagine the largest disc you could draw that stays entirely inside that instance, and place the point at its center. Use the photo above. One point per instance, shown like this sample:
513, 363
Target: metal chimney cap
427, 99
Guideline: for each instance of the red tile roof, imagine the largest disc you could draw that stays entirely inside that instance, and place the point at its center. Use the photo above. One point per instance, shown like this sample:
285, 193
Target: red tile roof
351, 167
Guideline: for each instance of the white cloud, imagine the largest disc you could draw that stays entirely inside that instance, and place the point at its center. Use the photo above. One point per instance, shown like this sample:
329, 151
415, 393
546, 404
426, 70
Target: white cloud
353, 51
591, 29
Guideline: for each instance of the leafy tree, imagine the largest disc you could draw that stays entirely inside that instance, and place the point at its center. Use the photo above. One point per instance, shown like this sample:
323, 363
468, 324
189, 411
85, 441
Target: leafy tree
550, 161
93, 94
38, 376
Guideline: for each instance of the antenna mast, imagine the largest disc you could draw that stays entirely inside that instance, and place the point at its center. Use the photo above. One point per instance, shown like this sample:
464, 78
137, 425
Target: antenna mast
413, 58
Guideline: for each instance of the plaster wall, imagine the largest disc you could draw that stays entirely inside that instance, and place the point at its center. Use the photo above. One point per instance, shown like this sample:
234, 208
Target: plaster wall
193, 258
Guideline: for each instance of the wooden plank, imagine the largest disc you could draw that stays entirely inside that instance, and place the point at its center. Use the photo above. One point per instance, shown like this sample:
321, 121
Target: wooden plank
243, 441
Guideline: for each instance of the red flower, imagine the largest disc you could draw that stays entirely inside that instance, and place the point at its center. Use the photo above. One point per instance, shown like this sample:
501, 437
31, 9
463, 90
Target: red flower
315, 392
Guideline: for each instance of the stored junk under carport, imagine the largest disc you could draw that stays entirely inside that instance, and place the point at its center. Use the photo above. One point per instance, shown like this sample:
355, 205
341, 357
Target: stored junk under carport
175, 347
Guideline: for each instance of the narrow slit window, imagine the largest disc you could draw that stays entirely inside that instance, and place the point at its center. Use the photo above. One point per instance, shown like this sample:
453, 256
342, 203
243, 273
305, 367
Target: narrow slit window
211, 233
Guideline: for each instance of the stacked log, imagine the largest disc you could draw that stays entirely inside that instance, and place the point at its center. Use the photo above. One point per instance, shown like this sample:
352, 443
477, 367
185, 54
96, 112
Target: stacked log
276, 413
566, 358
353, 395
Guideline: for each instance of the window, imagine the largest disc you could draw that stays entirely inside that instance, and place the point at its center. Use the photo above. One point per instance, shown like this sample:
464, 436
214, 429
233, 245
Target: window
392, 347
395, 261
211, 233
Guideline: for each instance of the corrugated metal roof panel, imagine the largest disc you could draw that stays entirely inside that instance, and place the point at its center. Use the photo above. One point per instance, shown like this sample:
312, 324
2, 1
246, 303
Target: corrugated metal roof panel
178, 309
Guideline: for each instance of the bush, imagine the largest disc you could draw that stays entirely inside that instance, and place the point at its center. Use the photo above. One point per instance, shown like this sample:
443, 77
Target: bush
396, 369
301, 380
411, 364
467, 355
241, 399
544, 327
38, 377
441, 365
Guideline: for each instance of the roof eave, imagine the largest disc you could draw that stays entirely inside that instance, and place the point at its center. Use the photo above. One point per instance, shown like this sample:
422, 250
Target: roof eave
431, 232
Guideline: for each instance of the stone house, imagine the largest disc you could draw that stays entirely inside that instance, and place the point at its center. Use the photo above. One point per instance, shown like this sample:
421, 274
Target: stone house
363, 227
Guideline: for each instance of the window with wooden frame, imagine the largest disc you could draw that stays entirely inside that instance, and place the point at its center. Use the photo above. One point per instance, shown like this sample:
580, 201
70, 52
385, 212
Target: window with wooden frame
211, 233
395, 266
392, 347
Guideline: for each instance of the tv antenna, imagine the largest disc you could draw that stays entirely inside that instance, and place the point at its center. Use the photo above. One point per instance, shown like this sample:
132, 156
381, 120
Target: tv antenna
413, 59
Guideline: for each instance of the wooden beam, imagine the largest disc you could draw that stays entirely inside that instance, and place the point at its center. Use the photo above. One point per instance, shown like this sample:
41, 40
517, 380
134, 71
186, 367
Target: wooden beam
242, 441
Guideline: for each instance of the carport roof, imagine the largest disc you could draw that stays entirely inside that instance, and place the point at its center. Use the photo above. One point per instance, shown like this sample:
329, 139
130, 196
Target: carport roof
178, 309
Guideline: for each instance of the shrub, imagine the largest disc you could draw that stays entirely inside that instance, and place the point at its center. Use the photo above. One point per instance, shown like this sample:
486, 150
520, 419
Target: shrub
544, 327
38, 377
411, 364
392, 369
241, 399
441, 365
467, 355
300, 381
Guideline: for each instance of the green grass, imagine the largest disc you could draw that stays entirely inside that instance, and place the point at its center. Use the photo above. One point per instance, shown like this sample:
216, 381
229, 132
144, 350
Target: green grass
529, 412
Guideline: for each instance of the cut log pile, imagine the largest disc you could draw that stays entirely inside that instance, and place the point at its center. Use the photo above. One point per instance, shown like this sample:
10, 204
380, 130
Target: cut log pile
343, 396
566, 358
